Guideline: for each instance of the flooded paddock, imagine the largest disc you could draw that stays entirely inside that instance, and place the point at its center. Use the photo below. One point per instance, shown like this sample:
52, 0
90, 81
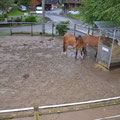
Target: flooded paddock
34, 71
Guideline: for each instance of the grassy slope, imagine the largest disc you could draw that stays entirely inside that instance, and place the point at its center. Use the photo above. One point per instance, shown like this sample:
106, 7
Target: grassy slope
16, 12
78, 17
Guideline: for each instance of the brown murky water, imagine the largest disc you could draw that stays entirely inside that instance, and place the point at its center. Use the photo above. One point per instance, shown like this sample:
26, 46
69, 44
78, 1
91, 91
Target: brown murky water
34, 71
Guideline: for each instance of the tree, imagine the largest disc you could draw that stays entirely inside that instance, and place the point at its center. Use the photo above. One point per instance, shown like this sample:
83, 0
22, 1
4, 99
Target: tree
24, 2
5, 4
101, 10
60, 2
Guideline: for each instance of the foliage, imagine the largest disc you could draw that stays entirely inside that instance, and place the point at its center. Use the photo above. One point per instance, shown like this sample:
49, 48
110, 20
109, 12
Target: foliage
78, 17
62, 27
101, 10
1, 17
30, 19
16, 12
60, 2
24, 2
5, 4
18, 19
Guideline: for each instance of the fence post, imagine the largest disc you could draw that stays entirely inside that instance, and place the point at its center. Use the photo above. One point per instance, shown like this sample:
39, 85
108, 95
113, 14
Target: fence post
92, 32
88, 31
36, 112
108, 35
11, 19
11, 29
31, 29
112, 48
52, 29
21, 18
74, 29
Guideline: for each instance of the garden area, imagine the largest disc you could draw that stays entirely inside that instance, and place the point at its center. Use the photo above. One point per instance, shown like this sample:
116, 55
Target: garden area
15, 15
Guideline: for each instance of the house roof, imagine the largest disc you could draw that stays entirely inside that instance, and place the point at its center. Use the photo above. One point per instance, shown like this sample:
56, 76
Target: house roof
50, 1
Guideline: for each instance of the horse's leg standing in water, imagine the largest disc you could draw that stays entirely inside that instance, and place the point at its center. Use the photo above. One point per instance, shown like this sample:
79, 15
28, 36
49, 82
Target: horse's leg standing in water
65, 45
81, 50
84, 51
76, 52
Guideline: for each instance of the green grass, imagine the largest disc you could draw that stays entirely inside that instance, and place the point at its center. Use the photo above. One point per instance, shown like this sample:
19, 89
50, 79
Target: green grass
16, 12
4, 33
59, 7
38, 18
78, 17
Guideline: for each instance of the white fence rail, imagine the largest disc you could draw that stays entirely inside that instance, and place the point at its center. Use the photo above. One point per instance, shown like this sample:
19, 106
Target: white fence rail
60, 105
111, 117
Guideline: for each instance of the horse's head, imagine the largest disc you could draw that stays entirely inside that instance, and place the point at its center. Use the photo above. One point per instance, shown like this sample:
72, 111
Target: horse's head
79, 39
81, 44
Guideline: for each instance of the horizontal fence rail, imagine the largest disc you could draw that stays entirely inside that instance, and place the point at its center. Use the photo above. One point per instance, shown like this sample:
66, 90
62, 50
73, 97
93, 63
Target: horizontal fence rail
60, 105
75, 29
111, 117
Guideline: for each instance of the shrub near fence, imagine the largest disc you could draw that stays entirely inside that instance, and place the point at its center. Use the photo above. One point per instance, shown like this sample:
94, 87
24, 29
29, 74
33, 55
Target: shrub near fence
2, 18
30, 19
62, 28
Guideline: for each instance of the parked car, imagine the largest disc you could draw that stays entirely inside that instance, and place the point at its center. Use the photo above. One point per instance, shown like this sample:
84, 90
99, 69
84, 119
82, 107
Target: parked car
38, 9
73, 12
10, 9
22, 8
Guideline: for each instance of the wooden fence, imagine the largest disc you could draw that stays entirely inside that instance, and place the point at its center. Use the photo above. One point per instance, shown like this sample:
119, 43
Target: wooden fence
55, 109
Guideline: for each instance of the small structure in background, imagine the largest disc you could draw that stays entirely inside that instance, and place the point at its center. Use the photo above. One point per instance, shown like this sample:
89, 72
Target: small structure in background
109, 54
70, 4
49, 4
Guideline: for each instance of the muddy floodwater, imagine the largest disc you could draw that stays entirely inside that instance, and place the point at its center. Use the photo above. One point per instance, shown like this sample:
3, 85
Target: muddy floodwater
34, 71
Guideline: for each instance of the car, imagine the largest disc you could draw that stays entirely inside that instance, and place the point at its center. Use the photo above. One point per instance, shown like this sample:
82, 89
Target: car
73, 12
22, 8
38, 9
10, 9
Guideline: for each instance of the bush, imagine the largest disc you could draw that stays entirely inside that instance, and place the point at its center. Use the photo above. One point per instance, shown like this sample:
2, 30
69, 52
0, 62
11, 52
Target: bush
62, 28
30, 19
17, 19
1, 17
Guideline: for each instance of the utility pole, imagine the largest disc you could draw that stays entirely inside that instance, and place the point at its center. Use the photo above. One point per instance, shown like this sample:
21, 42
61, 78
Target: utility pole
43, 16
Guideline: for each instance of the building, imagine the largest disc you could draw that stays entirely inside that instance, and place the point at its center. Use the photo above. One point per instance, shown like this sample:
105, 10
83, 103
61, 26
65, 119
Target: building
70, 4
35, 3
48, 3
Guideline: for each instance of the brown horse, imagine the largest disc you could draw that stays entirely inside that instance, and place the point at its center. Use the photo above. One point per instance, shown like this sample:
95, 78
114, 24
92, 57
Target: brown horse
76, 42
93, 41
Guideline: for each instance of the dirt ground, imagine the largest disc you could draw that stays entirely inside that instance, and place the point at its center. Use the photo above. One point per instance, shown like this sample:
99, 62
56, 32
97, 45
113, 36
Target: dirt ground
34, 71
